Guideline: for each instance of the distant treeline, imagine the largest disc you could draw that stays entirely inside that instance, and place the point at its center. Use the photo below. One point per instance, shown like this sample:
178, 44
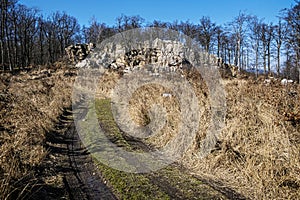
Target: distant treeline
29, 38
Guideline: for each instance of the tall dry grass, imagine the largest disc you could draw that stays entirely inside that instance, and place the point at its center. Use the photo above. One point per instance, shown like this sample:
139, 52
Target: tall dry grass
30, 104
258, 151
259, 154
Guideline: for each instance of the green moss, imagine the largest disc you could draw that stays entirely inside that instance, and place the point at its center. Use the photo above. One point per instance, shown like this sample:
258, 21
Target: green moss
131, 186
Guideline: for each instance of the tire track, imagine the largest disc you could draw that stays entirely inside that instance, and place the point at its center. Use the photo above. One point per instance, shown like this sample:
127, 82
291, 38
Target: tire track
69, 161
85, 181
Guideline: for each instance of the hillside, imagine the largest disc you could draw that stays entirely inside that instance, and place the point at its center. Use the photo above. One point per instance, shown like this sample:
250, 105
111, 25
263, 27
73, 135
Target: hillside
257, 154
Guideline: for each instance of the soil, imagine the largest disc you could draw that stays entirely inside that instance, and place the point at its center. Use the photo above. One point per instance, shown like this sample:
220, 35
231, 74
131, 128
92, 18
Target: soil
68, 172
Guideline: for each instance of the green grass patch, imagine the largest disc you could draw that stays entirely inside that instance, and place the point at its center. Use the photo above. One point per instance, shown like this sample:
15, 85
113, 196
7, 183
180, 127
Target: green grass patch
125, 185
106, 119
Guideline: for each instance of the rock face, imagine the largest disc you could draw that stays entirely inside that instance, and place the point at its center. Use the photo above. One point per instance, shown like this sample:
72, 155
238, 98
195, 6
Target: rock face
155, 56
79, 52
164, 55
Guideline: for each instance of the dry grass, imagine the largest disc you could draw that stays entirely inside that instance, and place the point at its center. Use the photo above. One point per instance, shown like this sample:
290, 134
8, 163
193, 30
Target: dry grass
107, 83
258, 153
141, 103
30, 105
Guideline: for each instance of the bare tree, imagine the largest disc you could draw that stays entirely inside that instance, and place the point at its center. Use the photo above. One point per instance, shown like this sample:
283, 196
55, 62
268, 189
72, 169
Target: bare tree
224, 42
159, 24
129, 22
239, 29
188, 29
207, 30
255, 36
5, 33
292, 18
279, 37
219, 38
97, 32
266, 37
27, 30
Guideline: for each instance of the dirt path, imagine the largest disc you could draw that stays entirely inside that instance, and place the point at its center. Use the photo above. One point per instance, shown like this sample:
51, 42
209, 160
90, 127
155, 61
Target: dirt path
70, 173
84, 182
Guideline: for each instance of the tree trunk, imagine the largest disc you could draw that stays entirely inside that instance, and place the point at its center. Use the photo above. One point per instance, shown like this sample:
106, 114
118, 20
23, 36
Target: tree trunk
269, 58
278, 60
256, 58
3, 10
238, 54
8, 49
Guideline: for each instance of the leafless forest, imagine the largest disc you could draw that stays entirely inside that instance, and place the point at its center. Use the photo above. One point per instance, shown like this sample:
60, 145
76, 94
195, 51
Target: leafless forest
29, 39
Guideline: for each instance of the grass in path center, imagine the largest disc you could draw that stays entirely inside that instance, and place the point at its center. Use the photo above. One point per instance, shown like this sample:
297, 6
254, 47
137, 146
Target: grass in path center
167, 183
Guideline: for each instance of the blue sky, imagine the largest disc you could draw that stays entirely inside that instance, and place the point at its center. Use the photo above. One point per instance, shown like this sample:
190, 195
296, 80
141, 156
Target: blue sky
106, 11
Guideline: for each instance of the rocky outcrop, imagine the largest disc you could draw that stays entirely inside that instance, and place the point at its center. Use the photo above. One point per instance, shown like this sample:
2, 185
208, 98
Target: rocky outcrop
155, 56
79, 52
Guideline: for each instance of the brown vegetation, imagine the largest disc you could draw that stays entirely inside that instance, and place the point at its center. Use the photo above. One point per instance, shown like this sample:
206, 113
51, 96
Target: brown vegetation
257, 154
258, 151
30, 104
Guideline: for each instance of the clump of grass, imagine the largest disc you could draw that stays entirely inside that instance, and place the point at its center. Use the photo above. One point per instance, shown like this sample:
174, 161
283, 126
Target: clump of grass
140, 105
106, 83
